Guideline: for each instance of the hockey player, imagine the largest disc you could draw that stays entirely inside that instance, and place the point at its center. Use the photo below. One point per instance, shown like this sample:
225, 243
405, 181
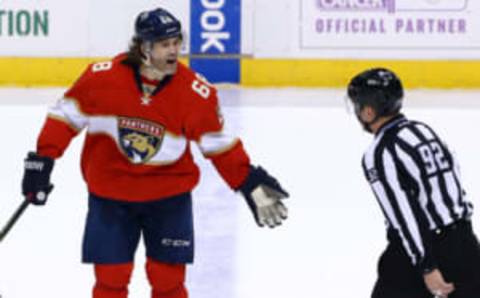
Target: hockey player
432, 250
141, 110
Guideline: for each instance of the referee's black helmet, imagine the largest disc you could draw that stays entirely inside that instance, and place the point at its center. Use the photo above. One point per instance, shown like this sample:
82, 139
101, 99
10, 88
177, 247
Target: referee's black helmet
378, 88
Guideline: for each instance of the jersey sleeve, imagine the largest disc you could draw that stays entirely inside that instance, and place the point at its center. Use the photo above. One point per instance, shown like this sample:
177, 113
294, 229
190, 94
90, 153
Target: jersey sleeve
205, 125
65, 119
395, 176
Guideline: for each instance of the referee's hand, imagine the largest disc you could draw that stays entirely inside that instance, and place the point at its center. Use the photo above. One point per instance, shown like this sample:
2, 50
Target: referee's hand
437, 285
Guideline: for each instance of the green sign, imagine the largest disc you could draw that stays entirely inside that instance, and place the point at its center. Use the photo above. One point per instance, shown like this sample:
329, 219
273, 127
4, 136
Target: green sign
24, 23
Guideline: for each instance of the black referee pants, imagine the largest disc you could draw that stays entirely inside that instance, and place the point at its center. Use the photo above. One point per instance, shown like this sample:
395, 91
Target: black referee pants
457, 251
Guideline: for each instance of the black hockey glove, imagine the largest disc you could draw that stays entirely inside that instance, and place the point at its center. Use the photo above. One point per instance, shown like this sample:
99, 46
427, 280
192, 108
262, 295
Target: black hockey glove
36, 179
263, 194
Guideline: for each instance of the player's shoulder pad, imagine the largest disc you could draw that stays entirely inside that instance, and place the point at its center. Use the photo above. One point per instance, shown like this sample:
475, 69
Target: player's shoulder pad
98, 74
107, 68
197, 86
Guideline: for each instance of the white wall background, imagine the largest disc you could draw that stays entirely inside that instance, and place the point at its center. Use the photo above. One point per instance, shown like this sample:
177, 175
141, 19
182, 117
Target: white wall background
83, 28
296, 37
270, 29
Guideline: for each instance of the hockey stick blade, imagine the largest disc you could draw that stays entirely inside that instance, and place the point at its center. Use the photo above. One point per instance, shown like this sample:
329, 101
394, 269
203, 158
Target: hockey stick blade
13, 219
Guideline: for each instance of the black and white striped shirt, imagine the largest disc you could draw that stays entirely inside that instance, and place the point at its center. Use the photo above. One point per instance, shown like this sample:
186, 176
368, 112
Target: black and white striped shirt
416, 180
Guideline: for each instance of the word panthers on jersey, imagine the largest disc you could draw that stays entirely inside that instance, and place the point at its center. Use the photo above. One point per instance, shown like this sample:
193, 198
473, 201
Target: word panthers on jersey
139, 139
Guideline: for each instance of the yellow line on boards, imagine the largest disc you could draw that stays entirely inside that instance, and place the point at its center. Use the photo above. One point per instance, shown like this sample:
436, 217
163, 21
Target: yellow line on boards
44, 72
62, 72
336, 73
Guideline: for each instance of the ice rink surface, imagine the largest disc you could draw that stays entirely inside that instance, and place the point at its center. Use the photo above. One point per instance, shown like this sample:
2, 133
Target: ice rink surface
305, 137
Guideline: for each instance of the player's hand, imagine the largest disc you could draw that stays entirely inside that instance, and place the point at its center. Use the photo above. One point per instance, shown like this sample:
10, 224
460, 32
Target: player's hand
263, 194
269, 210
437, 285
36, 178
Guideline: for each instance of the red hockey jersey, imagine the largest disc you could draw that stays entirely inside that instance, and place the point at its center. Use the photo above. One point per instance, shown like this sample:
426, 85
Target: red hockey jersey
137, 148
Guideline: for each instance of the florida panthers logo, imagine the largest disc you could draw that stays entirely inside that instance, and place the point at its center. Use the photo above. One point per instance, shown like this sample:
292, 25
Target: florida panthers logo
139, 139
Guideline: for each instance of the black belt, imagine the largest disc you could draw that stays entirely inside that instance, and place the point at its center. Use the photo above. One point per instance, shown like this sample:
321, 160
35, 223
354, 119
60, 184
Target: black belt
460, 225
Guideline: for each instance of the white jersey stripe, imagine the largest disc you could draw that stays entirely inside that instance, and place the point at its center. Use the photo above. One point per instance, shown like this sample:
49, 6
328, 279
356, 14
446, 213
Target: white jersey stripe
454, 193
409, 137
440, 206
369, 157
214, 143
414, 171
457, 173
68, 109
425, 132
172, 147
383, 199
391, 176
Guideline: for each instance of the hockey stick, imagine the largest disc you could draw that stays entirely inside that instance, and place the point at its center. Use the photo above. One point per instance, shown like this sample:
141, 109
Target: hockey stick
13, 219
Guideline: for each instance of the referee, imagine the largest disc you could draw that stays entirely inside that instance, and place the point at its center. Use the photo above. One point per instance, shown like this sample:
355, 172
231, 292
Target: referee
432, 250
